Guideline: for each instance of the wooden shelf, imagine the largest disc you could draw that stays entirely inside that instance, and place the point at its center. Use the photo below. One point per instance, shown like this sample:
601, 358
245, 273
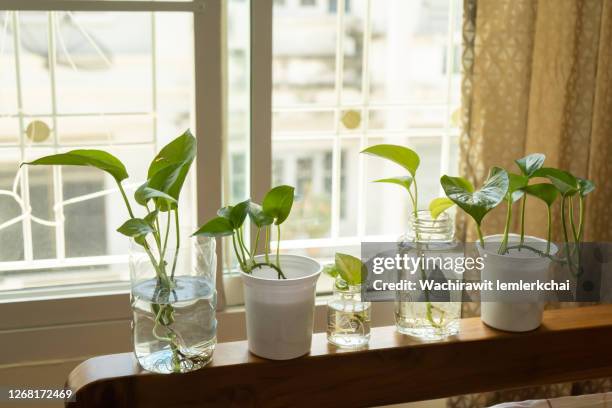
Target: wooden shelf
572, 344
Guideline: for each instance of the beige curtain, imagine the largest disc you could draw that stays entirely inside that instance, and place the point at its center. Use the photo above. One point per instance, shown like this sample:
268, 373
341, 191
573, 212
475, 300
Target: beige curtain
537, 77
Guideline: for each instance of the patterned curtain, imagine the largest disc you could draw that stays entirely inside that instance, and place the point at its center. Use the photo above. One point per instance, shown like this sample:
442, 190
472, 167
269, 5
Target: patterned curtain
537, 77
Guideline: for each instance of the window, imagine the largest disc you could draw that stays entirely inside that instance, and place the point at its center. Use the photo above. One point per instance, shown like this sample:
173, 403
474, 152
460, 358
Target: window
124, 80
332, 6
367, 75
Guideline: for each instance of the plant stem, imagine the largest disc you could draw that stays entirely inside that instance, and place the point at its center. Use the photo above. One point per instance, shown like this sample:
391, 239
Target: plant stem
480, 238
278, 246
241, 241
580, 218
235, 246
125, 199
165, 246
549, 230
571, 217
504, 243
254, 248
178, 242
280, 273
416, 197
267, 244
568, 254
523, 219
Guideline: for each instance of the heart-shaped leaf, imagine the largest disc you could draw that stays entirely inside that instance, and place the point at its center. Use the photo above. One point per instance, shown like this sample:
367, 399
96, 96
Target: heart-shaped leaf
405, 157
180, 150
565, 182
217, 227
585, 186
515, 184
238, 213
86, 157
349, 268
403, 181
169, 168
135, 228
438, 205
258, 216
530, 163
544, 191
144, 193
278, 202
478, 203
150, 217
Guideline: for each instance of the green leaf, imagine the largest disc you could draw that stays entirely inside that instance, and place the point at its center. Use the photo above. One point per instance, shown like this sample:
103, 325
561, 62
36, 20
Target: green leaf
278, 202
238, 213
585, 186
86, 157
258, 216
438, 205
144, 193
135, 228
150, 217
217, 227
331, 270
544, 191
405, 157
478, 203
403, 181
515, 184
169, 168
565, 182
225, 211
349, 268
180, 150
530, 163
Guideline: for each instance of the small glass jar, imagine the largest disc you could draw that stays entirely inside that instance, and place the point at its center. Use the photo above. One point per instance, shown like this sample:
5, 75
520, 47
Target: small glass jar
422, 313
348, 318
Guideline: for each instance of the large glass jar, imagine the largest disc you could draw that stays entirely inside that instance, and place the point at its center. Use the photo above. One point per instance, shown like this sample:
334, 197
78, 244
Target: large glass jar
348, 318
423, 313
174, 300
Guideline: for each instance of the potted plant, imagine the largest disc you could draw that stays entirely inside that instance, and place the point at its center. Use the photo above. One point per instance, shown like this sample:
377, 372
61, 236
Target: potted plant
421, 315
172, 285
511, 257
348, 317
279, 289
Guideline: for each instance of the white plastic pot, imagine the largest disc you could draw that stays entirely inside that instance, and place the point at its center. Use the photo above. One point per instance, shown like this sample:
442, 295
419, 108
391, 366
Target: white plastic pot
516, 311
280, 312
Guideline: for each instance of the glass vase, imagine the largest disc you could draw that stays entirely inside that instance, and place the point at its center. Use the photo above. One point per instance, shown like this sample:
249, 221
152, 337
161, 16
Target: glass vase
422, 313
174, 301
348, 318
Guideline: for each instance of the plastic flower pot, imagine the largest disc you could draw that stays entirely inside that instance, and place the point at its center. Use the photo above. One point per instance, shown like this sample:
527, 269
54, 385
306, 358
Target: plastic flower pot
514, 311
280, 312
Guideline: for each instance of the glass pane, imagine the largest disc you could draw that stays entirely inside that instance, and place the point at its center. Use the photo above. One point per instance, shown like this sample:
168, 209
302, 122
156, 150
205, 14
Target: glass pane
408, 51
124, 84
8, 79
107, 55
305, 164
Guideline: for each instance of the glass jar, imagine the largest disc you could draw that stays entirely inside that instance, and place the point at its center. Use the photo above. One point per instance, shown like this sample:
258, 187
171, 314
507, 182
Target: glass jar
348, 318
174, 301
423, 313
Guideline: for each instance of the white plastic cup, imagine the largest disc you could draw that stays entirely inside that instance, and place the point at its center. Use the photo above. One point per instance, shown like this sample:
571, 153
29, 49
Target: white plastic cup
280, 312
517, 311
